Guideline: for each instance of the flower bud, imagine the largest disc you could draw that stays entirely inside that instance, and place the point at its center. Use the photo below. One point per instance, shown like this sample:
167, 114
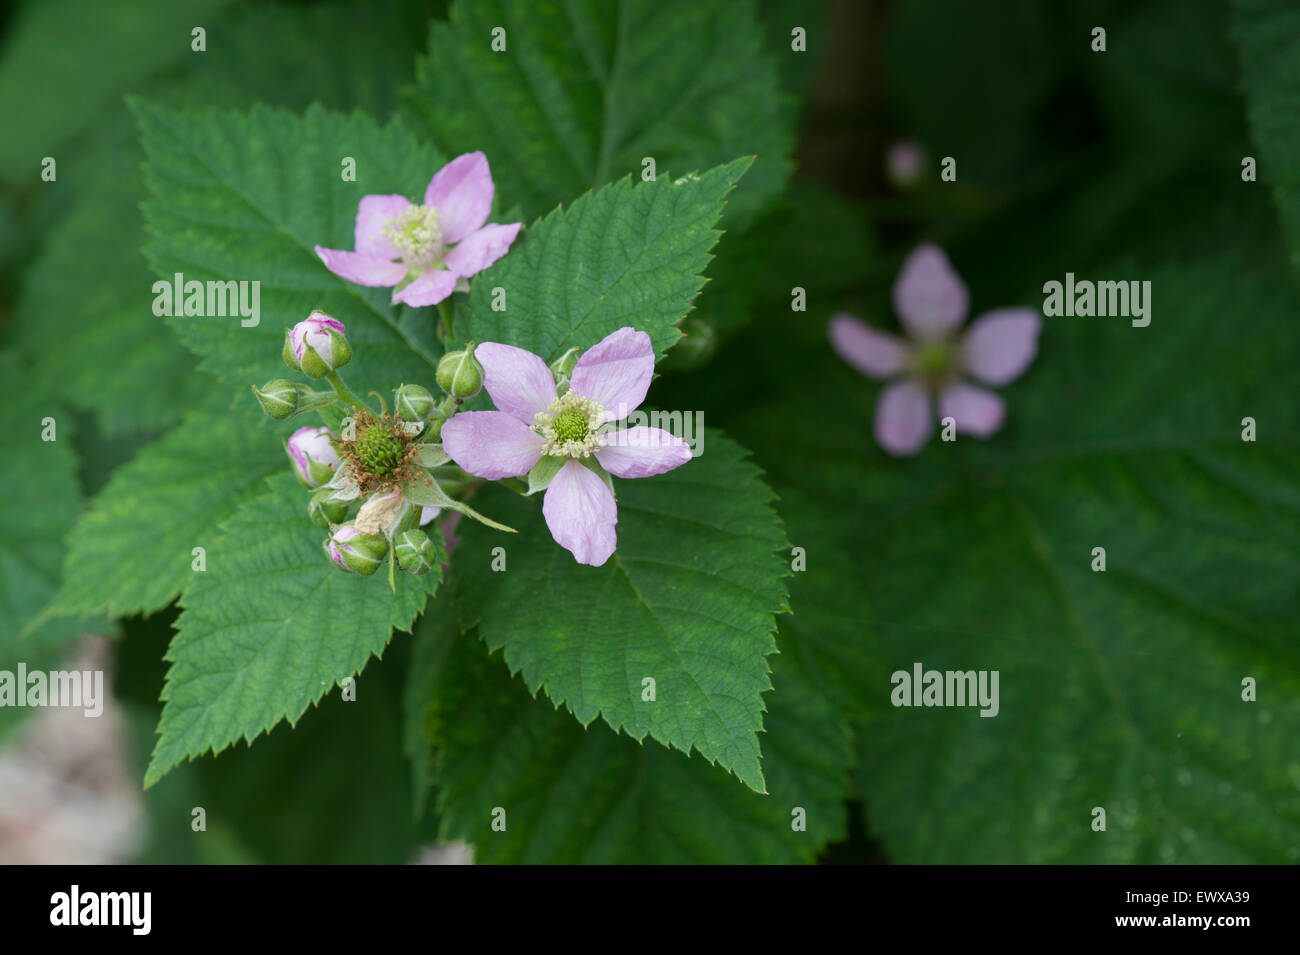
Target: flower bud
278, 398
355, 552
413, 403
313, 455
905, 164
324, 512
415, 552
460, 374
562, 367
316, 345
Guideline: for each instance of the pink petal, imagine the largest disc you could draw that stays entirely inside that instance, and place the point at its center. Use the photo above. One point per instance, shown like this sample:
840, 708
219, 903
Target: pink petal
372, 213
363, 269
480, 249
518, 381
616, 372
873, 353
1000, 344
581, 513
976, 411
429, 289
929, 296
641, 452
462, 192
491, 444
903, 418
429, 513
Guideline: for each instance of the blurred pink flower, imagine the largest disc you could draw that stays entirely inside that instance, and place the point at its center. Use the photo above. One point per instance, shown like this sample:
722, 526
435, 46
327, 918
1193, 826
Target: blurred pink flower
432, 247
905, 162
931, 363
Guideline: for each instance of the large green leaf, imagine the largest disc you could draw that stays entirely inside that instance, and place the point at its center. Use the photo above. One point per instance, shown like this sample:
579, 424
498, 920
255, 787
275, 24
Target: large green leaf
585, 90
269, 627
246, 196
1268, 35
132, 551
590, 795
687, 600
629, 254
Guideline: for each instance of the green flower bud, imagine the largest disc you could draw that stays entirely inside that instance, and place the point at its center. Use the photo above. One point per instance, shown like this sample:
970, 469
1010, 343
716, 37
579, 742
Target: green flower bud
356, 553
460, 374
278, 398
415, 552
324, 513
413, 403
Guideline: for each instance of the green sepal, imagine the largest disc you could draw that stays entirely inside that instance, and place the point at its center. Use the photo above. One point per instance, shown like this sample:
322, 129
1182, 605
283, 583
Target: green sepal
544, 471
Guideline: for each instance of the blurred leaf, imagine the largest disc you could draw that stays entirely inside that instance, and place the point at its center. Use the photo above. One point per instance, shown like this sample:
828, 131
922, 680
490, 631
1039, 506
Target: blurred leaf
687, 599
1268, 35
585, 90
625, 255
45, 95
575, 795
269, 628
40, 502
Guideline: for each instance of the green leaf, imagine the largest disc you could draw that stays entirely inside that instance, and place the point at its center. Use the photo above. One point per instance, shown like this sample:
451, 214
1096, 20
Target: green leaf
269, 628
585, 91
625, 255
246, 197
687, 599
1268, 35
132, 550
574, 795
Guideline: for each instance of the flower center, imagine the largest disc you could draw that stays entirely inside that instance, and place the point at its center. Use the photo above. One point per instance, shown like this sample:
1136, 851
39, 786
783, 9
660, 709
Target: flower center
378, 449
417, 234
569, 426
933, 362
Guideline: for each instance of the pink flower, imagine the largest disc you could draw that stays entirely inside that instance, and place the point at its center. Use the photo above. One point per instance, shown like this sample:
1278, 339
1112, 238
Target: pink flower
313, 455
536, 422
931, 300
426, 250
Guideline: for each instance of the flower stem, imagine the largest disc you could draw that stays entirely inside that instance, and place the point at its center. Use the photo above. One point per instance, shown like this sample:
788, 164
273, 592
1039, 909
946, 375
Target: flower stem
343, 391
446, 320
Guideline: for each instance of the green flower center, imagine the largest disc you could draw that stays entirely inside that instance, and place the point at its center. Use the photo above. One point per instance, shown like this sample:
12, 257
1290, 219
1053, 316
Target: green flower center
569, 426
933, 361
378, 449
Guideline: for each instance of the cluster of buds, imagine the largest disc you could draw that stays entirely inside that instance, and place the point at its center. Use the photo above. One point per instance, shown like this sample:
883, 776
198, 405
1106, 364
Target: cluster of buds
376, 478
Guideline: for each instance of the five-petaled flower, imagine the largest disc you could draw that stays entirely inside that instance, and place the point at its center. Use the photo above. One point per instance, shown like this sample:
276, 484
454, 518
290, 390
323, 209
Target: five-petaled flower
570, 430
931, 300
426, 252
